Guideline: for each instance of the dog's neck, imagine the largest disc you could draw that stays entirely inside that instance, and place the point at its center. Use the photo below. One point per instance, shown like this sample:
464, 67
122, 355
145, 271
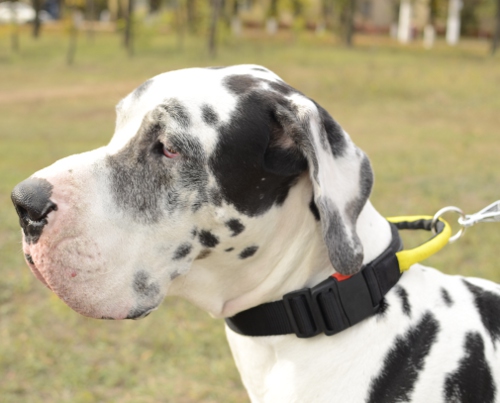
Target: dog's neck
291, 255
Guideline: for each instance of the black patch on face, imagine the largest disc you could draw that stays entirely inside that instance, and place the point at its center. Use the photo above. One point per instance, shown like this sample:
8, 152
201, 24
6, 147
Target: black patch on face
142, 287
228, 250
401, 292
177, 111
314, 209
446, 297
215, 197
235, 226
194, 231
239, 160
203, 254
382, 308
247, 252
31, 199
209, 115
146, 184
472, 382
182, 251
240, 84
488, 305
139, 177
142, 88
208, 239
404, 362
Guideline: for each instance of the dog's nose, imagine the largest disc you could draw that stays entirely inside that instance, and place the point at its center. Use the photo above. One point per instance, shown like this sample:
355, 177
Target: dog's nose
31, 199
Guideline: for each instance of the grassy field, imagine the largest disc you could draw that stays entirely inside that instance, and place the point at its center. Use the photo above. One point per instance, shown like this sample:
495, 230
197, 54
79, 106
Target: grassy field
429, 120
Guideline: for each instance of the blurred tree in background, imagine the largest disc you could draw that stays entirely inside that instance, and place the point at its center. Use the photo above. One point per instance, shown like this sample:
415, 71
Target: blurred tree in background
219, 19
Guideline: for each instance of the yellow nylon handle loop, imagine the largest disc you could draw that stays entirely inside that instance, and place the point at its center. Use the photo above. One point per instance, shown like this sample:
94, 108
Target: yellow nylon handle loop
411, 256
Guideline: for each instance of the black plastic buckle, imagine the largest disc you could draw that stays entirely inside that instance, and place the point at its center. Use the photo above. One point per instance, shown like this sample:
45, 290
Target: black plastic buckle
329, 307
302, 313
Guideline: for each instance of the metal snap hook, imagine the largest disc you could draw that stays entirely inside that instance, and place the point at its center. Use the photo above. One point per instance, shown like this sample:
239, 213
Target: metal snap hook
446, 210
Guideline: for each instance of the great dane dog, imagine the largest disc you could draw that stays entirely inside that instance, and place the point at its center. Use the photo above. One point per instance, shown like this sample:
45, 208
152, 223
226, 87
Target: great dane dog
229, 188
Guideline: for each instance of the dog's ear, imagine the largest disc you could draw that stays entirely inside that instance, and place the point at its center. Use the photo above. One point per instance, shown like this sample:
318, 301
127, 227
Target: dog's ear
304, 135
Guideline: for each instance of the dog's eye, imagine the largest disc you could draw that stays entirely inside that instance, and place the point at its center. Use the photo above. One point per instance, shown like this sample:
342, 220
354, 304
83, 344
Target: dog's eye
169, 152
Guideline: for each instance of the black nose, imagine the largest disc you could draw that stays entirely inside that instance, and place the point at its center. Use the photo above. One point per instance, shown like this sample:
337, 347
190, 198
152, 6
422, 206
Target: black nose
31, 199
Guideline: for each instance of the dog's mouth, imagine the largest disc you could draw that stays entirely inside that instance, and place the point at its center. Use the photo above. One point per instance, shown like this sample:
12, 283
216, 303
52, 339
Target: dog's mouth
137, 314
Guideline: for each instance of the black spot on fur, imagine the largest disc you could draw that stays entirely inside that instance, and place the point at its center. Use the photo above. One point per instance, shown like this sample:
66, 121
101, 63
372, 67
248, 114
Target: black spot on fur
142, 287
239, 160
208, 239
333, 135
177, 111
29, 258
247, 252
215, 197
401, 292
174, 275
488, 305
345, 258
281, 87
182, 251
403, 363
382, 308
147, 185
235, 226
203, 254
241, 83
209, 115
260, 69
138, 179
142, 88
472, 382
314, 209
354, 207
194, 231
32, 202
228, 250
446, 297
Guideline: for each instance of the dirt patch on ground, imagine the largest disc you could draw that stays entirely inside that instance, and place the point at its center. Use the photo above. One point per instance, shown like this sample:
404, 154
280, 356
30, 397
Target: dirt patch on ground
43, 94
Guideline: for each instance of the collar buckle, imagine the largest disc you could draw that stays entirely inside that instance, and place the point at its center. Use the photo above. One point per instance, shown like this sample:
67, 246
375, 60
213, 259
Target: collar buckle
329, 307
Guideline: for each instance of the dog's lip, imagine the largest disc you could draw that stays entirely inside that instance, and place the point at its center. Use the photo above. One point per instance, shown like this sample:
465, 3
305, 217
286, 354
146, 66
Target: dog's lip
39, 275
145, 313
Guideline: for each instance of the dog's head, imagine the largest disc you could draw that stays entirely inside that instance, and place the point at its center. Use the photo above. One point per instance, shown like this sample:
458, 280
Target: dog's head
201, 163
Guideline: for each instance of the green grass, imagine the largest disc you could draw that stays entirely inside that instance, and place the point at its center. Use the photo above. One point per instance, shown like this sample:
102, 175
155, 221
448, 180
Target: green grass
429, 121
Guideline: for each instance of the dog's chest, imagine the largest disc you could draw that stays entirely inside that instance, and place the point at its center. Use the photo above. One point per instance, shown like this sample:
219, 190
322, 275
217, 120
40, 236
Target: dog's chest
428, 343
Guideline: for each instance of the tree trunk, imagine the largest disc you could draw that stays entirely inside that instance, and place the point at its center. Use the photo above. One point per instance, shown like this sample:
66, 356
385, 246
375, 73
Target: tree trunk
37, 24
495, 40
347, 21
179, 24
212, 37
77, 19
14, 36
90, 18
191, 15
128, 39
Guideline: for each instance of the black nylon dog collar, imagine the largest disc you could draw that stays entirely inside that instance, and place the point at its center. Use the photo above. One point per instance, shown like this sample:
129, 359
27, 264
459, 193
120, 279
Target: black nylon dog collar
329, 307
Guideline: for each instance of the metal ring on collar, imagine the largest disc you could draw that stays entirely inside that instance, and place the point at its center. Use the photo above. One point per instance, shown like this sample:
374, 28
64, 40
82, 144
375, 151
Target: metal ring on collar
440, 213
